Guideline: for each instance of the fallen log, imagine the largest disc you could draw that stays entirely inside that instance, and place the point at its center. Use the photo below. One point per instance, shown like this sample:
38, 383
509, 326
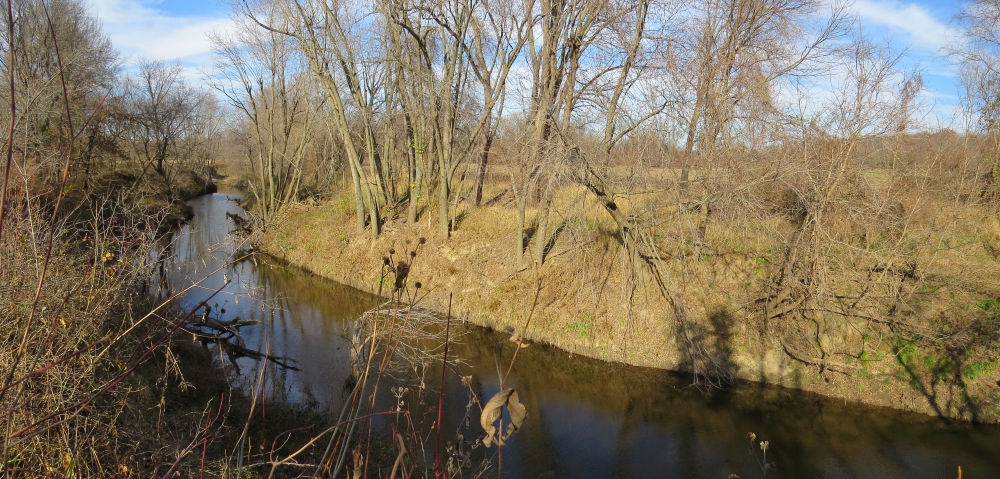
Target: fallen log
227, 336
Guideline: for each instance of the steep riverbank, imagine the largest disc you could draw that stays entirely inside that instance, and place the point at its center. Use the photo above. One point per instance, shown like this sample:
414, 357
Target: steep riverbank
586, 301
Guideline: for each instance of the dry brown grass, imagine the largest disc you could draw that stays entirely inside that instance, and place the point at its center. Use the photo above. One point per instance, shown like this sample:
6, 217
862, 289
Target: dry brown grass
65, 406
590, 302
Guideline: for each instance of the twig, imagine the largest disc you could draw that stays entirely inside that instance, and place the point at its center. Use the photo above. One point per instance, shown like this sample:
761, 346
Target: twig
524, 331
117, 380
444, 371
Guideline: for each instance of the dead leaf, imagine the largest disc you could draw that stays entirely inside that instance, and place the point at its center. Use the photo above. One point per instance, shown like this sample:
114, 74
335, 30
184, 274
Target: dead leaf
494, 410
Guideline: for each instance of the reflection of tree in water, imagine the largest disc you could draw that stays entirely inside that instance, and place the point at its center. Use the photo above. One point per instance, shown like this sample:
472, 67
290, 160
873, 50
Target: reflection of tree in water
662, 425
304, 318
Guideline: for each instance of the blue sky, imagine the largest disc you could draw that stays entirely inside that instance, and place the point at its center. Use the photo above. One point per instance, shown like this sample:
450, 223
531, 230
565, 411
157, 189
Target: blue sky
175, 30
169, 30
924, 28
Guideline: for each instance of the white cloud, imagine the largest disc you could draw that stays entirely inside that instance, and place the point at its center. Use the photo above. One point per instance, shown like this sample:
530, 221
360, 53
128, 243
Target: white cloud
916, 23
138, 30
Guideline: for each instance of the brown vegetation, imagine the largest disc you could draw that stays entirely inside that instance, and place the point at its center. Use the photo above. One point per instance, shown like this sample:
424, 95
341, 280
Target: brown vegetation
96, 169
739, 189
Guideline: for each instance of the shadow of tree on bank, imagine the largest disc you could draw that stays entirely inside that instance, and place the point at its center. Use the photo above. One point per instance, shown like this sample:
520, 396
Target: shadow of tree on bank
551, 243
707, 349
945, 369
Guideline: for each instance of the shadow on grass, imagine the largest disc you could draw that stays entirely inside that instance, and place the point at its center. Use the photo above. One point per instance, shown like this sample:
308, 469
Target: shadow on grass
943, 371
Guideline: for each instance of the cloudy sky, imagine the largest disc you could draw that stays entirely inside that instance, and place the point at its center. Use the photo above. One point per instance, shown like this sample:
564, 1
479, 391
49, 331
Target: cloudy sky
169, 30
924, 28
175, 30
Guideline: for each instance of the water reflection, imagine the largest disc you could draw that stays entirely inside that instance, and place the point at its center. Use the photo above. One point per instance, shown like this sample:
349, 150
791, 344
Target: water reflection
585, 418
301, 317
606, 420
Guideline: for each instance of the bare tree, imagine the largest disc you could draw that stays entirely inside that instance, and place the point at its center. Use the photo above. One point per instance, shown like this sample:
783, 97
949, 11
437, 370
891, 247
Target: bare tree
568, 29
163, 118
89, 66
500, 31
733, 50
329, 36
259, 73
979, 54
438, 34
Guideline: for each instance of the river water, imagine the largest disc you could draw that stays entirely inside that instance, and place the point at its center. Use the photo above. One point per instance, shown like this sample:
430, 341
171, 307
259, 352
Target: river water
586, 418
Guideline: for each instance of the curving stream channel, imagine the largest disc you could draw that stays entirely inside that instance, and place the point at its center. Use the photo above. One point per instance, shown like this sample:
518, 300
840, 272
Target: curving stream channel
586, 418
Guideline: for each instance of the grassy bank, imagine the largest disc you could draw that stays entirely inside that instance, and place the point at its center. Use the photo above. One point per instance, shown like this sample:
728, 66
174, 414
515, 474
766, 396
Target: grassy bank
914, 331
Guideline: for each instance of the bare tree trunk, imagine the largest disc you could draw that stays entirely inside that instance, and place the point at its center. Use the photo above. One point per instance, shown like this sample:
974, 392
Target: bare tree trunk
519, 247
359, 202
443, 195
484, 157
541, 230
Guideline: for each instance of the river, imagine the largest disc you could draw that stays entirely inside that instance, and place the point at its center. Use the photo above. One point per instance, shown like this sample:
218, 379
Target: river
586, 418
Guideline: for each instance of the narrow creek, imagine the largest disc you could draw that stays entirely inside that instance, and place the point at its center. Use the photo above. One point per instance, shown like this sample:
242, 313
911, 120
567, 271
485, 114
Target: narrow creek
586, 418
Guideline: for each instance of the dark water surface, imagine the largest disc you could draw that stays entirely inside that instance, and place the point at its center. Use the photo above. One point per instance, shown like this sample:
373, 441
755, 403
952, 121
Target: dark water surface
586, 419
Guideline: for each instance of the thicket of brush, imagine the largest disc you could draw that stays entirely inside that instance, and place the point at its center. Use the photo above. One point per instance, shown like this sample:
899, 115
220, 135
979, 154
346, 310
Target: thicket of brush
95, 169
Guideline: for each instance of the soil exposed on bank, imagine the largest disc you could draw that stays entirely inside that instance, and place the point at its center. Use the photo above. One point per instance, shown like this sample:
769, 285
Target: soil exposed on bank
585, 301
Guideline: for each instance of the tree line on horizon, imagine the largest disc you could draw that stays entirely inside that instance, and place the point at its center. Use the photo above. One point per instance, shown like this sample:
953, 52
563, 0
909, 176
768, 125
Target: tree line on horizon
421, 102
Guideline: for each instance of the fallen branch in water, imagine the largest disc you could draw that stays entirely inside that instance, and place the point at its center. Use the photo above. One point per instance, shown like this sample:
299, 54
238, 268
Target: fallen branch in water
223, 333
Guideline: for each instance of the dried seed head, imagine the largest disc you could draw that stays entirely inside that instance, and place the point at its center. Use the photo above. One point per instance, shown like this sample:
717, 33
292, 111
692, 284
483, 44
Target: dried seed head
385, 260
413, 254
418, 285
407, 240
751, 436
763, 445
402, 270
422, 240
392, 251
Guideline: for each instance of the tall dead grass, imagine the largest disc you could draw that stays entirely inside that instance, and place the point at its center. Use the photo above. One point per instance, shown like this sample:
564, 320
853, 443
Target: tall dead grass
75, 329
